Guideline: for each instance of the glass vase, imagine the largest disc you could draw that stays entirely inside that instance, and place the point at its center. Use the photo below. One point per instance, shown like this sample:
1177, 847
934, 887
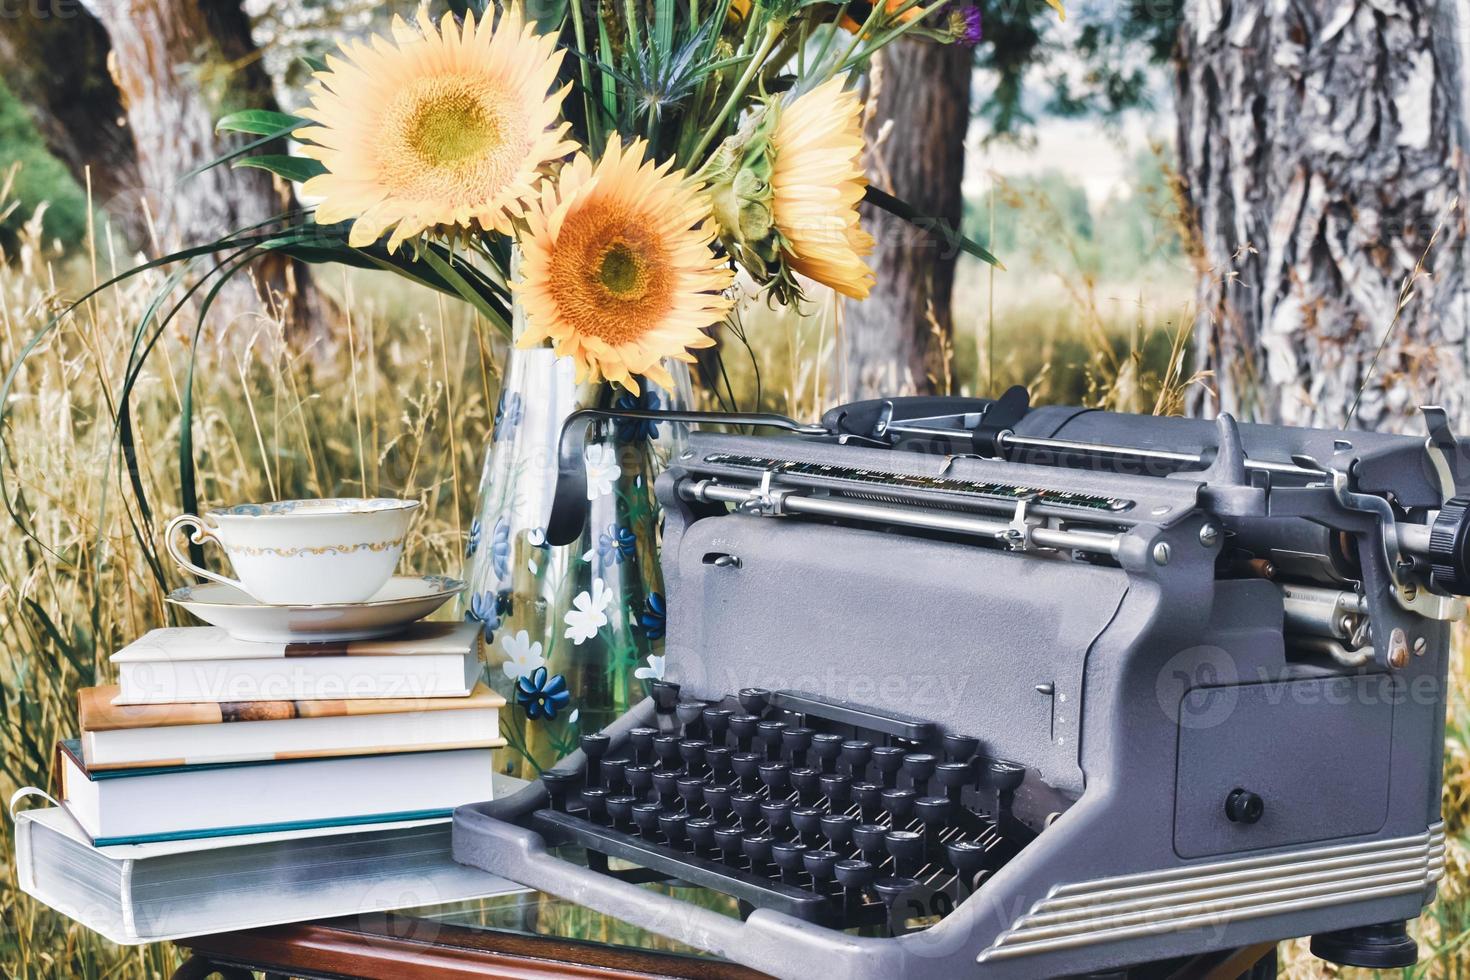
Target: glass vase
572, 634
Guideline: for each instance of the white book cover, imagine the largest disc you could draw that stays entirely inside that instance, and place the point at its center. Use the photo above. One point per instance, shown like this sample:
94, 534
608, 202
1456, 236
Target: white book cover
197, 643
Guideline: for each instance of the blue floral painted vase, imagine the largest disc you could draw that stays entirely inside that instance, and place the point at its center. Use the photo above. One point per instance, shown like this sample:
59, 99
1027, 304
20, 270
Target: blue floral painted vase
572, 635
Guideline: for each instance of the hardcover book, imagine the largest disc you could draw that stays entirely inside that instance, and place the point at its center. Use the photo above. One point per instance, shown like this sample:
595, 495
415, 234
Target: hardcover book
204, 663
143, 893
130, 806
130, 735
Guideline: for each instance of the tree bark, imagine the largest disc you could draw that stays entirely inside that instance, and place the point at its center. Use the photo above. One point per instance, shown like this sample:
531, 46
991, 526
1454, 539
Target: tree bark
180, 65
917, 113
54, 59
1321, 149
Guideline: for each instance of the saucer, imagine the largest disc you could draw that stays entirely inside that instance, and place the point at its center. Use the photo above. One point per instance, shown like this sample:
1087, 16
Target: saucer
403, 600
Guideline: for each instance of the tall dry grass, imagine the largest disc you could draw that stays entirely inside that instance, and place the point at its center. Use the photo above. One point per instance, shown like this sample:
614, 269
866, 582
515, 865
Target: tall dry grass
399, 406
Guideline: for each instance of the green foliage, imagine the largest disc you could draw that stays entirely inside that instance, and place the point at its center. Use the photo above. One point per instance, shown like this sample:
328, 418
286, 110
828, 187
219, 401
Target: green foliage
40, 178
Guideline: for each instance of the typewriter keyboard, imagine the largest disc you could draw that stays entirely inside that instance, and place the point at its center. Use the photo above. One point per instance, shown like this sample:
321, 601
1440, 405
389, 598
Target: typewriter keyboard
840, 817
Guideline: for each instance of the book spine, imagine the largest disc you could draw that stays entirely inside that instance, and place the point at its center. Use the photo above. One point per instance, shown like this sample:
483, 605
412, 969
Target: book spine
271, 828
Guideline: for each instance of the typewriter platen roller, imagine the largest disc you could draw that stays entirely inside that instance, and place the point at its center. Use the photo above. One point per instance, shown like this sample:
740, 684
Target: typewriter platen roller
965, 687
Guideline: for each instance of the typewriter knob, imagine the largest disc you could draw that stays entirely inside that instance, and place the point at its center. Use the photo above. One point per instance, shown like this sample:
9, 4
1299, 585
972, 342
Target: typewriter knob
718, 799
1243, 806
730, 841
807, 820
754, 700
854, 875
666, 747
691, 750
747, 766
640, 779
869, 840
1449, 547
777, 815
559, 783
665, 697
691, 714
935, 813
666, 784
594, 798
645, 816
747, 808
642, 739
820, 864
869, 796
954, 777
776, 776
757, 847
856, 752
891, 891
794, 743
808, 783
919, 766
620, 809
771, 733
744, 728
594, 747
1004, 776
827, 748
701, 831
717, 757
789, 857
968, 859
613, 773
907, 849
899, 803
717, 722
837, 828
691, 791
837, 787
674, 827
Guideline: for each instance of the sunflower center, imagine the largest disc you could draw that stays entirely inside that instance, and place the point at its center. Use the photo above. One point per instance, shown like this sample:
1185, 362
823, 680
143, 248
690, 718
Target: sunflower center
452, 129
622, 272
611, 275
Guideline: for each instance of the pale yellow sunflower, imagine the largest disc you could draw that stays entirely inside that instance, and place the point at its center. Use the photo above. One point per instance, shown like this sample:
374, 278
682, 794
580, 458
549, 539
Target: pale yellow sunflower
617, 270
440, 129
816, 184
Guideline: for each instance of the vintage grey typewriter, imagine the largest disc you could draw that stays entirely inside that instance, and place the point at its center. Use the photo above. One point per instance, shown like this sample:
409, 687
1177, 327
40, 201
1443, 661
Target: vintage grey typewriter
963, 687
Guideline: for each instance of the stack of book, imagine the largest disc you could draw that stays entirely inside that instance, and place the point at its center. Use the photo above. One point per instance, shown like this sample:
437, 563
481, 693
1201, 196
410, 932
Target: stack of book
337, 762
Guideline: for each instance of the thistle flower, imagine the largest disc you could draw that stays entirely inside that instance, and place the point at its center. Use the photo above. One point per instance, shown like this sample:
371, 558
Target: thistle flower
618, 271
441, 129
965, 24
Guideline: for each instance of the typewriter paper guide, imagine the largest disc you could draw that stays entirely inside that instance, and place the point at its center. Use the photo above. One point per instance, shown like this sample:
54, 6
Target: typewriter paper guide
921, 628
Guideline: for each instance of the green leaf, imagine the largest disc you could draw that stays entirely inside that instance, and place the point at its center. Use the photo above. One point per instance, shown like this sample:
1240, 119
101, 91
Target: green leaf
260, 122
237, 152
467, 293
283, 165
937, 227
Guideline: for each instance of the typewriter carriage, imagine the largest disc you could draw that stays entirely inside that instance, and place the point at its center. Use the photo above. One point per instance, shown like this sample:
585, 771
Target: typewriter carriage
1217, 650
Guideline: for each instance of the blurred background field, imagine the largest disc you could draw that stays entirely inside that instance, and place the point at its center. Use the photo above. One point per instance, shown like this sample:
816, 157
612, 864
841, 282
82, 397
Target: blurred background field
1096, 306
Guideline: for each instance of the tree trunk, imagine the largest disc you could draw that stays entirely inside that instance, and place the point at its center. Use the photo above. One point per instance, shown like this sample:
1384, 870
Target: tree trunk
180, 65
917, 113
1321, 152
55, 61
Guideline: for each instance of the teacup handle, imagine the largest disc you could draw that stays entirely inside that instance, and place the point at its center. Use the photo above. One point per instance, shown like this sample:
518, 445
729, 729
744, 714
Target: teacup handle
202, 532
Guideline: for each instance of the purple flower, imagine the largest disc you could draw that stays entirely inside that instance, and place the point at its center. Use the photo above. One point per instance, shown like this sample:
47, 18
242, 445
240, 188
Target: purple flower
964, 24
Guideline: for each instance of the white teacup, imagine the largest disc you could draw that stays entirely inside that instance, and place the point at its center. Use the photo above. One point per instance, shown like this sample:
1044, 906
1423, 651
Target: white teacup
302, 552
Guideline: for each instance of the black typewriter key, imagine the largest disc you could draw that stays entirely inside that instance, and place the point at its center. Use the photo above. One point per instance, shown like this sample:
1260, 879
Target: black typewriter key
919, 767
907, 850
690, 714
968, 858
855, 753
821, 866
959, 748
777, 815
899, 804
954, 777
770, 733
716, 724
807, 822
827, 747
891, 891
642, 739
613, 773
594, 747
620, 809
888, 759
645, 818
808, 784
717, 798
757, 847
794, 745
559, 783
869, 798
777, 778
594, 800
754, 700
1004, 778
747, 767
691, 750
936, 813
730, 841
666, 747
665, 697
701, 831
869, 840
717, 761
837, 787
747, 807
788, 855
666, 785
854, 877
837, 828
674, 827
743, 728
691, 791
640, 780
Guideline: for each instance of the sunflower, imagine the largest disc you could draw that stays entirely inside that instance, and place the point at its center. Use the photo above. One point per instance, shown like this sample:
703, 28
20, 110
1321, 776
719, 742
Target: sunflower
441, 129
816, 183
617, 269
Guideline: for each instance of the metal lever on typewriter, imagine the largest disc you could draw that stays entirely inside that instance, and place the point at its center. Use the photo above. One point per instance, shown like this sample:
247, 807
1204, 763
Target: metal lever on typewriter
569, 502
